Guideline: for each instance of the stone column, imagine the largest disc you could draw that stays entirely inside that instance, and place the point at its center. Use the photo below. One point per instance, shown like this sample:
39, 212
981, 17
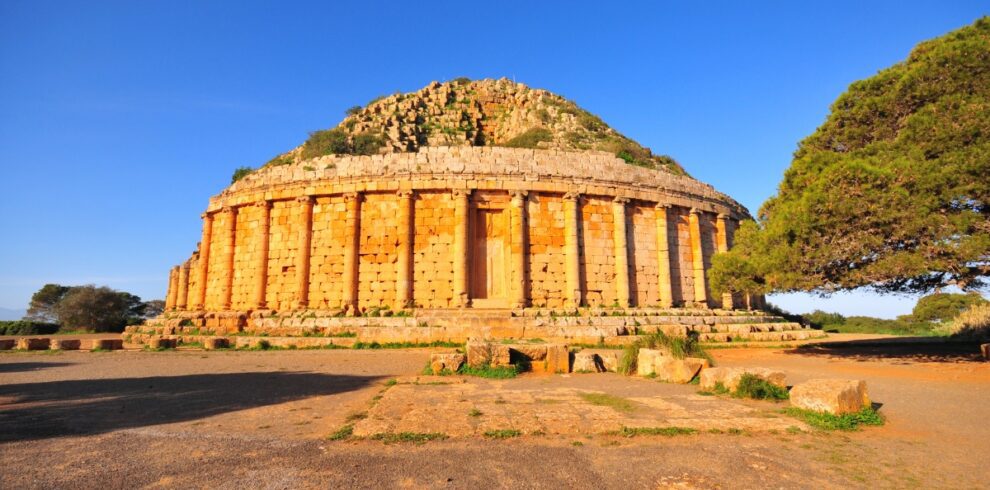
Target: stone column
461, 234
663, 256
723, 241
199, 298
352, 238
403, 274
261, 255
572, 252
173, 288
227, 258
698, 261
182, 293
305, 226
621, 251
518, 245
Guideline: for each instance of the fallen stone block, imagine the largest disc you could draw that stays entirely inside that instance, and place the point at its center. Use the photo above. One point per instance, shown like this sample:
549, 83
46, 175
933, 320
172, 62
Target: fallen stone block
480, 353
835, 396
65, 344
587, 362
161, 343
446, 362
7, 344
107, 344
647, 360
33, 344
558, 359
212, 343
680, 370
729, 377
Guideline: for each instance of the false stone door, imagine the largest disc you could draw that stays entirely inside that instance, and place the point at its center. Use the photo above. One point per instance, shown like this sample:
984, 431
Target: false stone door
490, 259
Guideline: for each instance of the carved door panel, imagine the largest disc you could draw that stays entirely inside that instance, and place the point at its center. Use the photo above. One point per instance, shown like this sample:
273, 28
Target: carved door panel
490, 258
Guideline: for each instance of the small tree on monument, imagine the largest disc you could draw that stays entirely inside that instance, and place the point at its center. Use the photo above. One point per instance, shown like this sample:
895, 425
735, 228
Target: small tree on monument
891, 192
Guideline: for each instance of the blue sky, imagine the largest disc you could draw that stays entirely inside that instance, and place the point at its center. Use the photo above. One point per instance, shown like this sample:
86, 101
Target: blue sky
118, 120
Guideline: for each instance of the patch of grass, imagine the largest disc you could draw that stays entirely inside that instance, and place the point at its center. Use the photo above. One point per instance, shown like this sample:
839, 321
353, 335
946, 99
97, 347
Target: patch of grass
392, 382
414, 437
655, 431
342, 433
530, 139
757, 388
354, 417
403, 345
491, 372
577, 443
719, 389
606, 400
502, 433
845, 422
474, 413
679, 348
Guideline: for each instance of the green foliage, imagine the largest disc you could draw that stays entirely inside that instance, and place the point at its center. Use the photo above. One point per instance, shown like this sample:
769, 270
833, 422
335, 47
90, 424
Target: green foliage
27, 327
891, 191
757, 388
353, 111
240, 173
606, 400
326, 142
99, 309
279, 160
655, 431
679, 348
943, 307
474, 413
845, 422
974, 323
43, 301
342, 433
530, 139
462, 80
492, 372
414, 437
404, 345
502, 433
366, 144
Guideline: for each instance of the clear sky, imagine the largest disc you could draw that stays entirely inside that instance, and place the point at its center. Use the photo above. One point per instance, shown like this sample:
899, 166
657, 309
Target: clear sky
118, 120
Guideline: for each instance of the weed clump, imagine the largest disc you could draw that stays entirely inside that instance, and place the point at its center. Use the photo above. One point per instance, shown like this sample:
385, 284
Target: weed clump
844, 422
757, 388
678, 347
502, 433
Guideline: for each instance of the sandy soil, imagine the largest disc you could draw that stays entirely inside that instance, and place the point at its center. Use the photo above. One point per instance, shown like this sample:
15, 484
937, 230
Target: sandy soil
260, 419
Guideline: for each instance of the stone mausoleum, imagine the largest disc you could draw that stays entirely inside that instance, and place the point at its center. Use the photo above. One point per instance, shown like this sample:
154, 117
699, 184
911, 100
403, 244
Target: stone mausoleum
441, 235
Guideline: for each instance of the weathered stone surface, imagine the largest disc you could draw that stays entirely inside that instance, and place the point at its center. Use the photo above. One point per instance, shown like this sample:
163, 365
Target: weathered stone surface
107, 344
481, 353
7, 344
647, 360
558, 359
729, 376
212, 343
65, 344
835, 396
679, 370
161, 343
451, 362
587, 362
33, 343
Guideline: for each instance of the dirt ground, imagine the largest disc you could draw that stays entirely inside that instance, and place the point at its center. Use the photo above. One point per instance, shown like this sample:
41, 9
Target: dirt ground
262, 420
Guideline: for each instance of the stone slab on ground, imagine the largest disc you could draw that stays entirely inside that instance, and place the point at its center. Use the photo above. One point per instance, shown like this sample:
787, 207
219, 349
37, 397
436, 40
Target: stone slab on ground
107, 344
65, 344
680, 370
33, 343
451, 362
835, 396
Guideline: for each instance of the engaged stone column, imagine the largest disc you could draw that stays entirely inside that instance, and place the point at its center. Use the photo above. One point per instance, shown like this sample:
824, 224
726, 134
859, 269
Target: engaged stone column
461, 222
261, 256
621, 251
199, 302
572, 254
698, 261
403, 274
517, 215
173, 288
227, 263
723, 242
303, 252
182, 294
663, 256
351, 243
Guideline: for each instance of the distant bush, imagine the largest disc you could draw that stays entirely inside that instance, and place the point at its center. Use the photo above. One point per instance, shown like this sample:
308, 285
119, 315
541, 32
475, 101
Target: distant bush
280, 160
326, 142
530, 139
27, 327
240, 173
351, 111
366, 144
462, 80
943, 307
973, 323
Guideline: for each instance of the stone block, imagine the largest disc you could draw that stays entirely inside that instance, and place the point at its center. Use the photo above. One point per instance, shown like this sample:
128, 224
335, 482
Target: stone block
33, 343
729, 377
558, 359
587, 362
680, 370
440, 362
835, 396
985, 350
647, 361
212, 343
481, 353
161, 343
65, 344
7, 344
107, 344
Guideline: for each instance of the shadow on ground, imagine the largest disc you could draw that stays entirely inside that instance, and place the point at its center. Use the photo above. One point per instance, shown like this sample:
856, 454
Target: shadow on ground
14, 367
903, 350
79, 407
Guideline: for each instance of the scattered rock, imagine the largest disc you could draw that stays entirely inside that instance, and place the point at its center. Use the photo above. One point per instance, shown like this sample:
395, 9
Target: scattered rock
587, 362
33, 343
647, 361
557, 359
729, 377
440, 362
680, 370
107, 344
481, 353
65, 344
835, 396
212, 343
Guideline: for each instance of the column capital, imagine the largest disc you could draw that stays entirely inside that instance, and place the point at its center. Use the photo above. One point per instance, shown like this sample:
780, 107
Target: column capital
695, 211
519, 195
206, 215
572, 196
461, 192
228, 210
404, 194
352, 196
263, 204
723, 216
620, 200
663, 205
305, 199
